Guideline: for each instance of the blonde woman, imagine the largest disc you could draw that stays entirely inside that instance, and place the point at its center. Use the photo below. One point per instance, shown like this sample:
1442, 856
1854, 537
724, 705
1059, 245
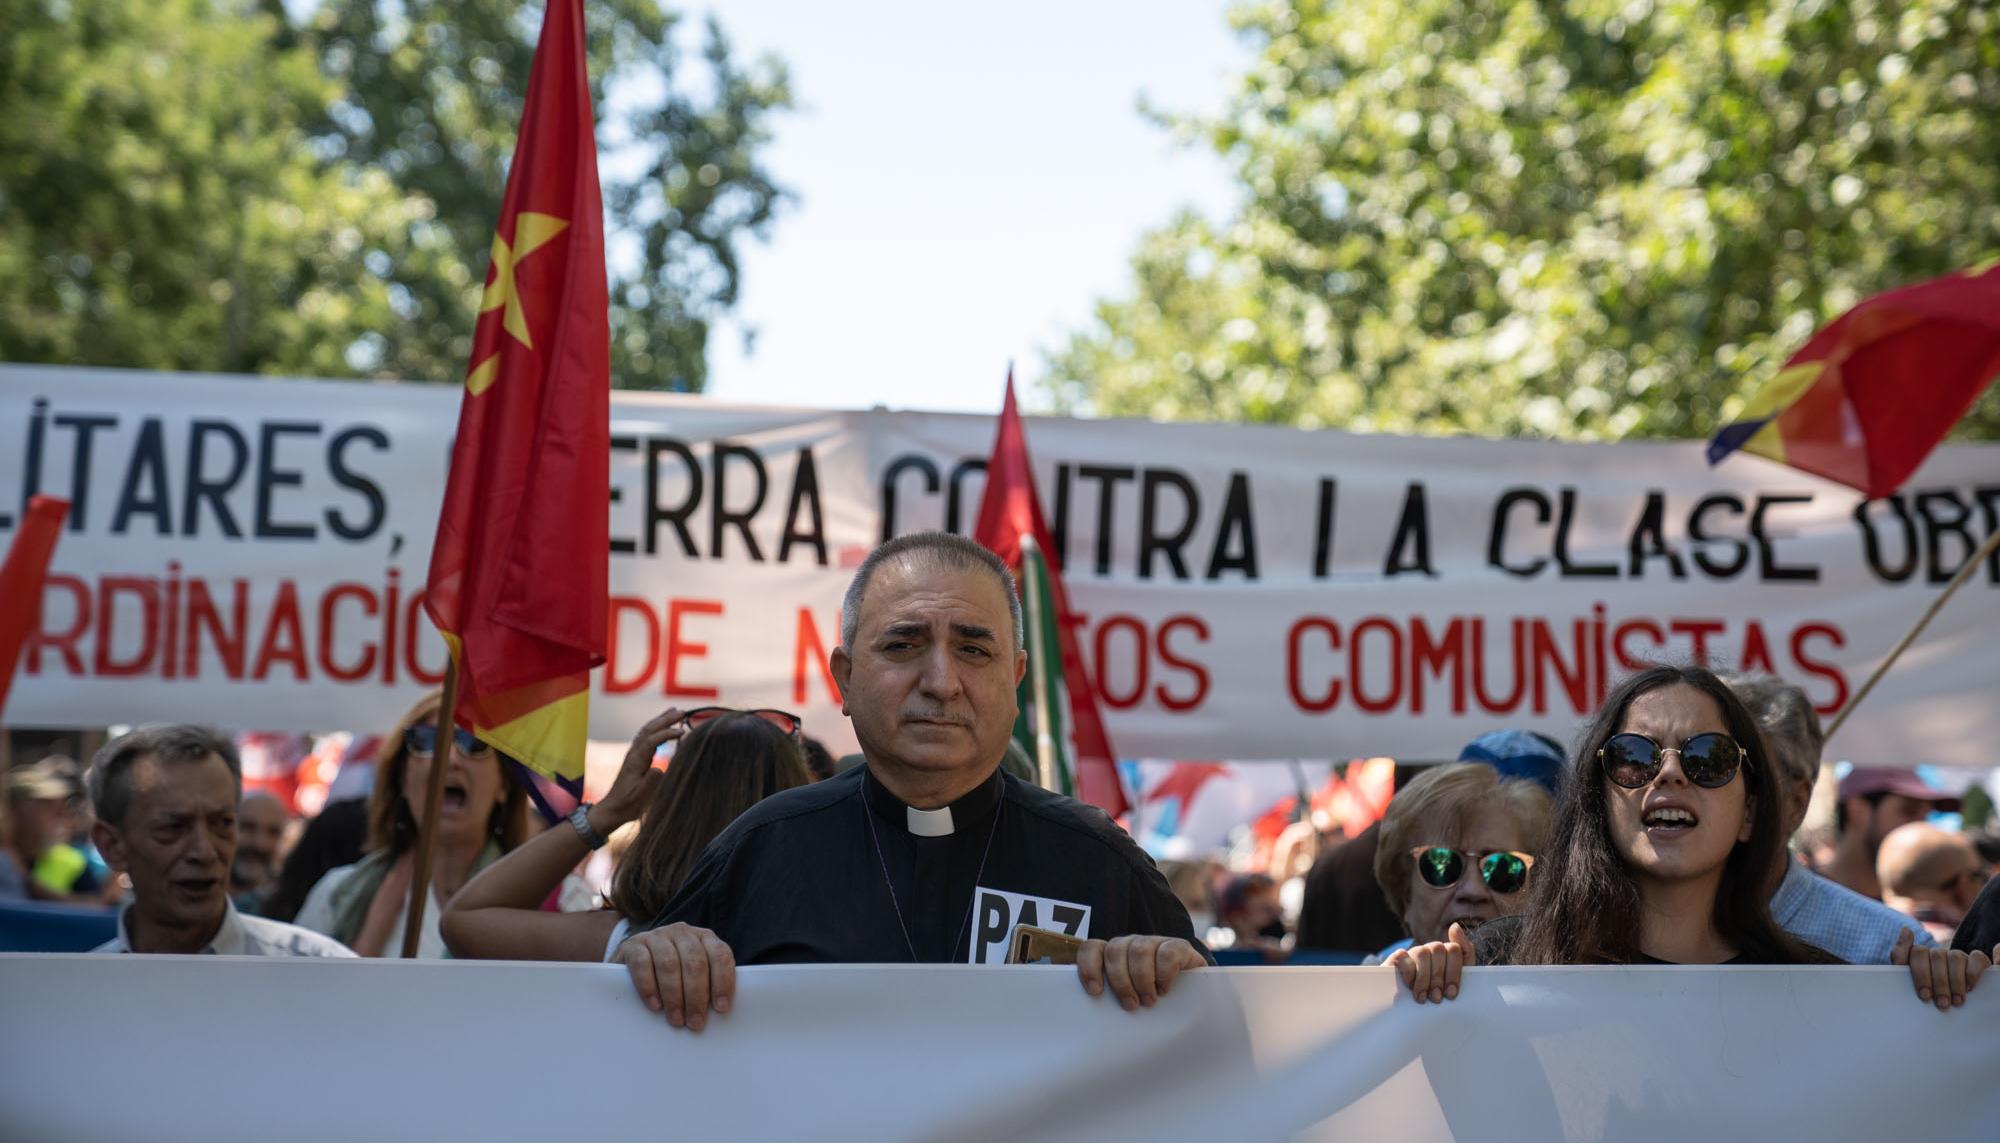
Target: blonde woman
1459, 846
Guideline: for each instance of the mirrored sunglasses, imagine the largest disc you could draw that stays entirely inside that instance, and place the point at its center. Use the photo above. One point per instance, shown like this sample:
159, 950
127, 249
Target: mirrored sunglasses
422, 739
1441, 866
1709, 760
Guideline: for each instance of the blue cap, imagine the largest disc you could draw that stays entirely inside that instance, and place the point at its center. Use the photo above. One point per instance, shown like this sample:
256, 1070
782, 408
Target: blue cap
1519, 754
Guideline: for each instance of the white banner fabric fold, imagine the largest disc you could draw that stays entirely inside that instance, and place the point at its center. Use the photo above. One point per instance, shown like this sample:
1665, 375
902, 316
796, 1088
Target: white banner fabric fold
249, 552
217, 1049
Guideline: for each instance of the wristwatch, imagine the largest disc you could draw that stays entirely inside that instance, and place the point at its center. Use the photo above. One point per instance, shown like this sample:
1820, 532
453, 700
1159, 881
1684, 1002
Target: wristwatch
580, 818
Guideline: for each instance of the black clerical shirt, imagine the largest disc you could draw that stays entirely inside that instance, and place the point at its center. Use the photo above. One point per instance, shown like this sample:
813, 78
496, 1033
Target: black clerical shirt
803, 878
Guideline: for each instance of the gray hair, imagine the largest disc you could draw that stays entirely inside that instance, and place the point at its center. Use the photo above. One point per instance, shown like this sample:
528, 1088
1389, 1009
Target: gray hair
941, 549
1787, 718
110, 778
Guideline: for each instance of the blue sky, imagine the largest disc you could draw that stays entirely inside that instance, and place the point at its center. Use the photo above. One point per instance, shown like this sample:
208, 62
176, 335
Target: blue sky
970, 179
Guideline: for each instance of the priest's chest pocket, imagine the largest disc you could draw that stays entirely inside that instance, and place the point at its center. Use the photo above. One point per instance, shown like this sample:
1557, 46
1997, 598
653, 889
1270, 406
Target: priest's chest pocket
995, 912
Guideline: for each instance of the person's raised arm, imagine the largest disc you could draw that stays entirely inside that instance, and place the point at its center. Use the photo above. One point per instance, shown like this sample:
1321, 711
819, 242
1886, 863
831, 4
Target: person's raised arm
498, 915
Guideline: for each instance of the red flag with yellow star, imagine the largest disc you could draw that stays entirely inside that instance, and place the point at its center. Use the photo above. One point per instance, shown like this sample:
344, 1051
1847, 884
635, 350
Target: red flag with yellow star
518, 574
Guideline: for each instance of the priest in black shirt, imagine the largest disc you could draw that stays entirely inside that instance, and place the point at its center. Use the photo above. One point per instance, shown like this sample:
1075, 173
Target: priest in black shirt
931, 852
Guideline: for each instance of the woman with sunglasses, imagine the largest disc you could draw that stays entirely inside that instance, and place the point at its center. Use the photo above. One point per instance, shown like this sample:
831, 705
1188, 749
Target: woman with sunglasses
484, 814
1668, 841
725, 761
1458, 846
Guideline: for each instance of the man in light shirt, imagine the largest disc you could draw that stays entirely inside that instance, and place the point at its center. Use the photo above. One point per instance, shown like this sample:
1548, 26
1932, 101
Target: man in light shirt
166, 800
1857, 929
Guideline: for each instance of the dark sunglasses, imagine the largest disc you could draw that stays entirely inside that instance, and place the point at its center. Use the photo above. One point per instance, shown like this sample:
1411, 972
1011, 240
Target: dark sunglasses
1633, 760
783, 720
1441, 866
423, 739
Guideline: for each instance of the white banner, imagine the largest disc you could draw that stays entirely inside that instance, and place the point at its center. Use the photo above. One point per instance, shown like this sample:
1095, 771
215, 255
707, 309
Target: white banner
249, 553
217, 1049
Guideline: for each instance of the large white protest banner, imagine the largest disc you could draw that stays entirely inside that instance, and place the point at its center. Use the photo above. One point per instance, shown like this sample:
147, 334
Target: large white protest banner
218, 1049
249, 552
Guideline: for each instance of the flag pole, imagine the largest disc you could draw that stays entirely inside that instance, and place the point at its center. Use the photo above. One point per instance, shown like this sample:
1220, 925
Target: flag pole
420, 880
1038, 664
1979, 557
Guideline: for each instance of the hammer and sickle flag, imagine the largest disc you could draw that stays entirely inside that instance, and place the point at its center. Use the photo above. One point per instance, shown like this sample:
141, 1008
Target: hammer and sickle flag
518, 577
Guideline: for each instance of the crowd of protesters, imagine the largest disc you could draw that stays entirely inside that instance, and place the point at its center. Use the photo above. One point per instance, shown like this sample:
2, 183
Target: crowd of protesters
1671, 833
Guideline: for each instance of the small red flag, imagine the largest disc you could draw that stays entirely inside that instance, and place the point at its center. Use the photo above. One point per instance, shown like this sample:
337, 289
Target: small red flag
1873, 393
21, 580
518, 578
1008, 510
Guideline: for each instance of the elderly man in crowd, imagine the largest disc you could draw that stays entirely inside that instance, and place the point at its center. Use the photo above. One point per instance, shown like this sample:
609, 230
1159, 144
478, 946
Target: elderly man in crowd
42, 799
260, 834
166, 802
1930, 875
1873, 802
1855, 928
930, 851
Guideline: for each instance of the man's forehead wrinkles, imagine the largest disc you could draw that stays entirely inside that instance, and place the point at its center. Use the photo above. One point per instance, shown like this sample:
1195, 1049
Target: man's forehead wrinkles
933, 610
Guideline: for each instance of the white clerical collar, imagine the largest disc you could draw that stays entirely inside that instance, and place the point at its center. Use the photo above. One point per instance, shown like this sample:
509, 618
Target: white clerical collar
930, 823
970, 809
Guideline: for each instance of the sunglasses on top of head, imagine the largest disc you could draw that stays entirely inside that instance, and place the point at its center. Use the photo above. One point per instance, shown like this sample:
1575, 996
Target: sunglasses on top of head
1709, 760
1441, 866
783, 720
422, 739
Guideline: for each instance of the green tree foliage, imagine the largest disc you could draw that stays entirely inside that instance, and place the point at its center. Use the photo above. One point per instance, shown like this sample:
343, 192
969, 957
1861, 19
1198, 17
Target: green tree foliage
158, 206
1568, 218
433, 96
252, 186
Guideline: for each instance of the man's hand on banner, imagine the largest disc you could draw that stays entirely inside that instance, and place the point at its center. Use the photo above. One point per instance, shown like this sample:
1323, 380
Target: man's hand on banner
1433, 970
1140, 969
1943, 976
682, 970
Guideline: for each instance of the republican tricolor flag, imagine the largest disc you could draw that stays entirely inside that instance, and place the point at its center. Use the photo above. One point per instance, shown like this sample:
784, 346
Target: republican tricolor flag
518, 577
1873, 393
1058, 703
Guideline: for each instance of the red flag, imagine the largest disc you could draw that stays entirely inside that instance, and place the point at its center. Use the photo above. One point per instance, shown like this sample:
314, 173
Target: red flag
1010, 509
1872, 394
21, 579
1185, 781
518, 578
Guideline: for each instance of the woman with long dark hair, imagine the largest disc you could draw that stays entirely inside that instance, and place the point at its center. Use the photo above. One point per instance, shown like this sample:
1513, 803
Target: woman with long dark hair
728, 761
1668, 842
